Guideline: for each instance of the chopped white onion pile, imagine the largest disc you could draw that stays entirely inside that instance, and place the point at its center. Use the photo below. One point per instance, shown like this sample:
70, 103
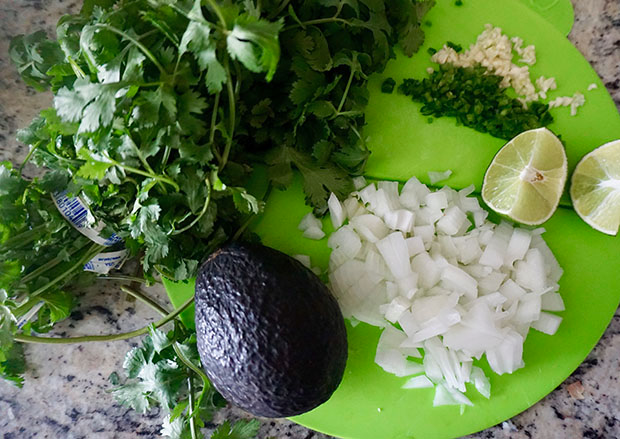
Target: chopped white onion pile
438, 277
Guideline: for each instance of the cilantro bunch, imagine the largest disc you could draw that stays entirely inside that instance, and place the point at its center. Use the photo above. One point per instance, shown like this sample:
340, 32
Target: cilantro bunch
166, 114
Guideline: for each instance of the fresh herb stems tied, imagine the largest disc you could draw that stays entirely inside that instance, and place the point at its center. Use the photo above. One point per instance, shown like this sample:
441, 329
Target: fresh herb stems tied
163, 109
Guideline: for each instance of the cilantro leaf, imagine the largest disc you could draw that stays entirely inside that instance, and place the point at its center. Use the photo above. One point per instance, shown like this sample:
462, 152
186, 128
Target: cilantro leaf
34, 55
175, 429
318, 180
240, 430
13, 364
254, 42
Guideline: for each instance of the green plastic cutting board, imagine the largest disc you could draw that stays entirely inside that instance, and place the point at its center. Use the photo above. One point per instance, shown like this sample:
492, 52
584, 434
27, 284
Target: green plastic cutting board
370, 404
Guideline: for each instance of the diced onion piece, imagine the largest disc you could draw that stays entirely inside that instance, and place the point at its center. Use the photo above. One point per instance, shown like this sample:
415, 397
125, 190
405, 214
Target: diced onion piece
336, 211
415, 245
493, 255
511, 291
530, 273
395, 308
547, 323
314, 233
308, 221
481, 382
517, 246
552, 302
393, 361
436, 200
436, 177
409, 324
443, 397
400, 219
395, 252
459, 280
346, 240
452, 221
529, 308
427, 270
304, 259
419, 382
370, 227
508, 356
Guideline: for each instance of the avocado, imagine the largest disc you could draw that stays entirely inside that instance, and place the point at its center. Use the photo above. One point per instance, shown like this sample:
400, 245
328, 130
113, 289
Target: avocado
271, 336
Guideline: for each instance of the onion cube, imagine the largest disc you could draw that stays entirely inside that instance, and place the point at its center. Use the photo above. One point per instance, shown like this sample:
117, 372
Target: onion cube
428, 272
304, 259
408, 322
452, 221
308, 221
552, 302
436, 200
511, 291
336, 211
394, 250
547, 323
517, 246
419, 382
458, 280
346, 240
314, 233
415, 245
508, 356
395, 308
530, 273
370, 227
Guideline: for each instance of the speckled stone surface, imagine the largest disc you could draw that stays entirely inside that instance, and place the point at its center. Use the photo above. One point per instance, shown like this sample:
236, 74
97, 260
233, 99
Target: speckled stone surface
65, 395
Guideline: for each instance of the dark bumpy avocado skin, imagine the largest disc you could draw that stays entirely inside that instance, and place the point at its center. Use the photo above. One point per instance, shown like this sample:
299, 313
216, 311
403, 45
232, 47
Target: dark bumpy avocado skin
271, 336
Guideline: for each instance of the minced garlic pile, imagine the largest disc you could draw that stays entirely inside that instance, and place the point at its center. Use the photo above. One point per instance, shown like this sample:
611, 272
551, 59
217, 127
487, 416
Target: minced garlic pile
496, 51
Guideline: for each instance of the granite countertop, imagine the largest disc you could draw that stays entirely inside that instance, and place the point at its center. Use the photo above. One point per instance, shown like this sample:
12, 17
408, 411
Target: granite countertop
65, 394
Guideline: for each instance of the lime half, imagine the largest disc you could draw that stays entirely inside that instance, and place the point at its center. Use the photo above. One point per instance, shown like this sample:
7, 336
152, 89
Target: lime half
595, 188
526, 178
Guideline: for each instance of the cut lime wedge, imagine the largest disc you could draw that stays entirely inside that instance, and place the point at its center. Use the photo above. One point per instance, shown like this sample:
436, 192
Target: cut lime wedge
595, 188
526, 178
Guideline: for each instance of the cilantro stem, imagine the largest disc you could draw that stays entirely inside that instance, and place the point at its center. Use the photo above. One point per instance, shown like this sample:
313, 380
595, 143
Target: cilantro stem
275, 13
202, 212
346, 91
76, 68
144, 299
91, 252
47, 266
218, 12
212, 131
122, 278
231, 110
303, 24
23, 238
146, 174
27, 159
191, 406
206, 384
143, 160
137, 43
23, 338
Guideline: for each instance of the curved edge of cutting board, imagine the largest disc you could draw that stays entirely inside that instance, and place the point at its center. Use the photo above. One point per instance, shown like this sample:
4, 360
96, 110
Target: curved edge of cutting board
559, 13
